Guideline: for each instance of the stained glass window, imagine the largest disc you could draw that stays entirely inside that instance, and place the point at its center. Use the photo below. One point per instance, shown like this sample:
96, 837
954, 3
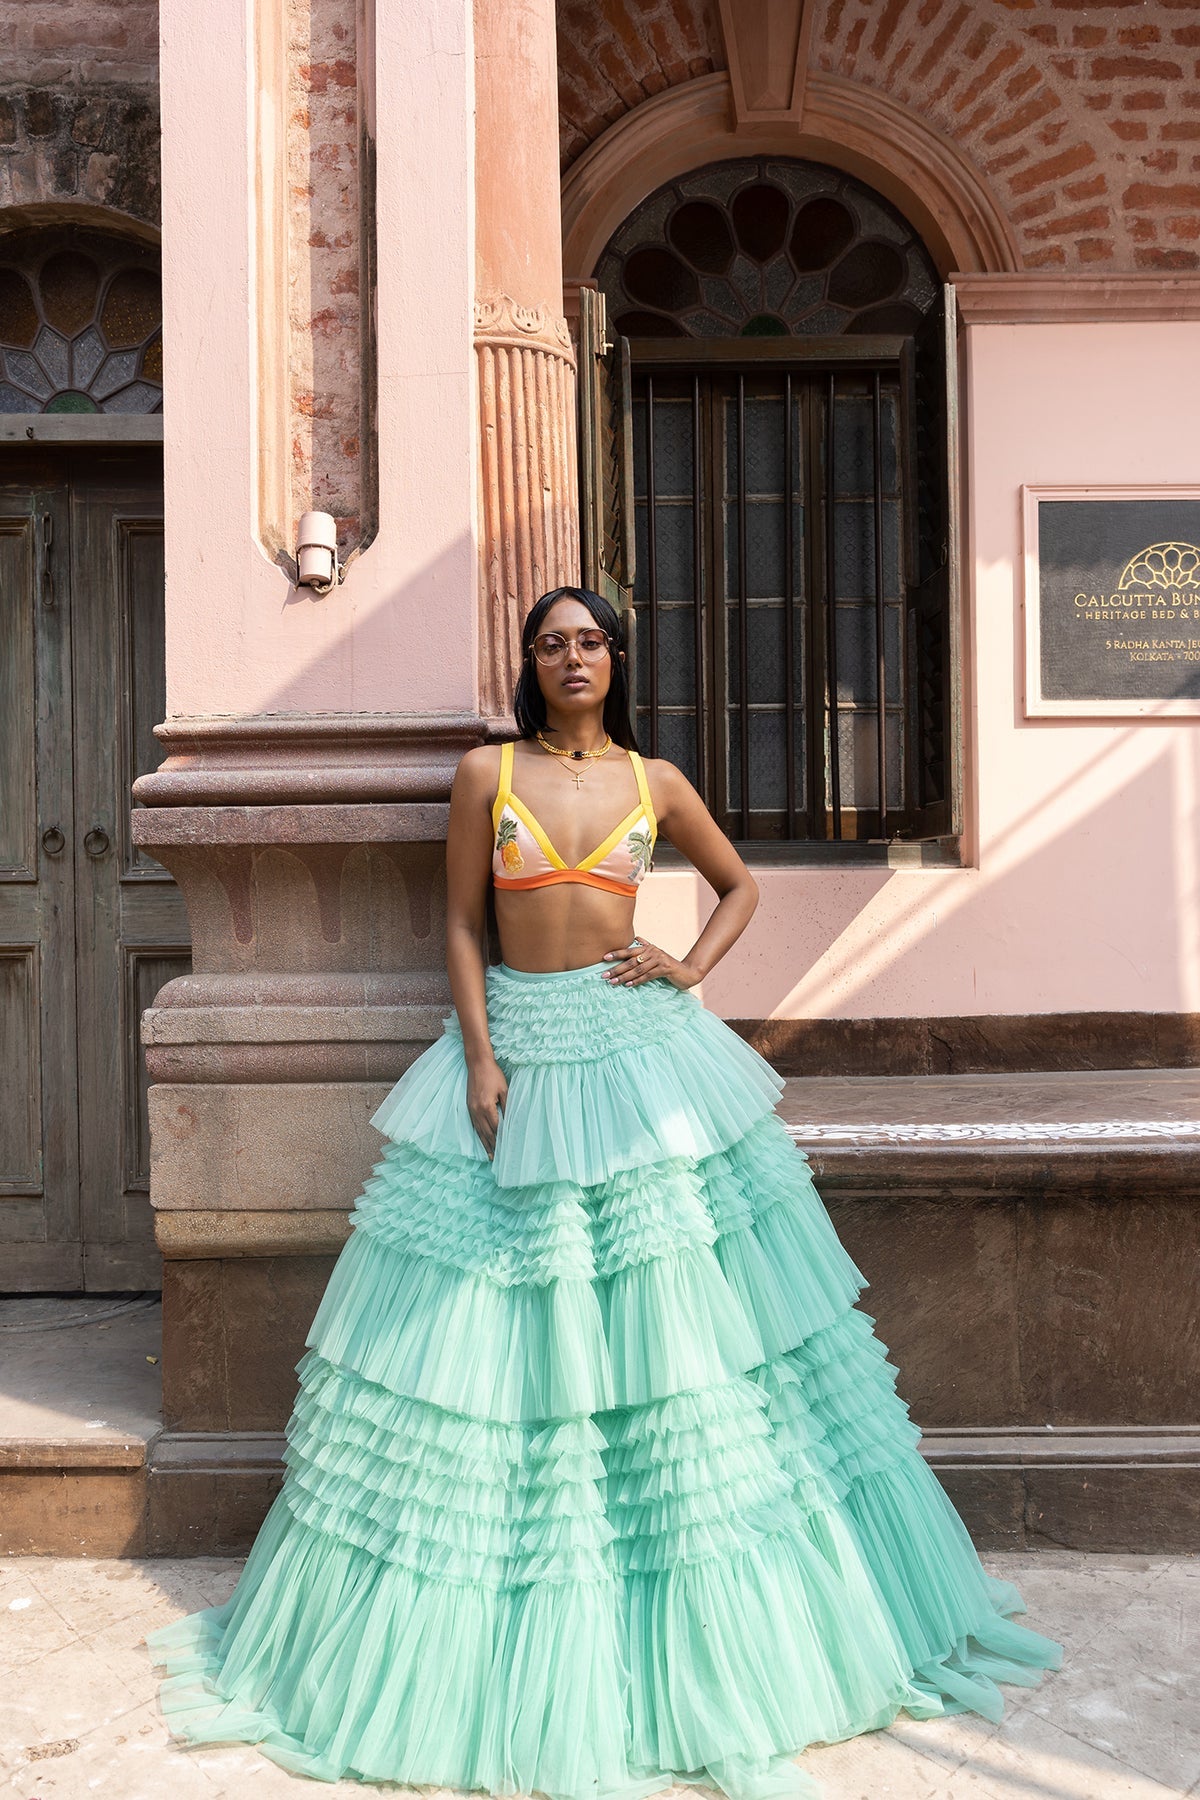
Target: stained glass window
80, 324
766, 247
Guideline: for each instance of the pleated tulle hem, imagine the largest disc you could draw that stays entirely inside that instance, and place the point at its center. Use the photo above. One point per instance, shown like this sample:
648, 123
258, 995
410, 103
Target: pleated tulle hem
337, 1666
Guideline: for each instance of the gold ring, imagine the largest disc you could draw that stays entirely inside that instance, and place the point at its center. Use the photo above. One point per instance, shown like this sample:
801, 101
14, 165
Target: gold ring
637, 959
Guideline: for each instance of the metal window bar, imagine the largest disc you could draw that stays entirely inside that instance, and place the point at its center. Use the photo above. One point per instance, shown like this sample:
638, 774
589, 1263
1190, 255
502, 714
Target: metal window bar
698, 592
743, 631
789, 623
831, 658
880, 642
652, 565
812, 671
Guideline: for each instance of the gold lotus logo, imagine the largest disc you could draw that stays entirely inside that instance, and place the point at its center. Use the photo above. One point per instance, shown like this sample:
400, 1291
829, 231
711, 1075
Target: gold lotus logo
1170, 566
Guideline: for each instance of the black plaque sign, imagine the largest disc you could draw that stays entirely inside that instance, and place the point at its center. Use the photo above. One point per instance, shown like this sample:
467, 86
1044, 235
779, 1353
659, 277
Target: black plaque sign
1113, 603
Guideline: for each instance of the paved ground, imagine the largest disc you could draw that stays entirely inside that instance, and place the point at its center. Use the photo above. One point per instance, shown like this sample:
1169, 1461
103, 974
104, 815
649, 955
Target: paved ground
1120, 1720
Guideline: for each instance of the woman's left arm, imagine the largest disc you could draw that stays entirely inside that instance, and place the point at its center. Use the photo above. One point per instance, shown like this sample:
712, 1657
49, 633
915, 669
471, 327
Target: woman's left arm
687, 822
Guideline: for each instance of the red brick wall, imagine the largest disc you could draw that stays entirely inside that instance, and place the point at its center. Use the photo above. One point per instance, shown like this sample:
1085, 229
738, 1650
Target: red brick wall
82, 43
613, 54
1083, 116
79, 105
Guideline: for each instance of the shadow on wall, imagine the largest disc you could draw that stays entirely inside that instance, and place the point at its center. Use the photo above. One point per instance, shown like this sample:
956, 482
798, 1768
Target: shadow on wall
1075, 906
1069, 910
325, 641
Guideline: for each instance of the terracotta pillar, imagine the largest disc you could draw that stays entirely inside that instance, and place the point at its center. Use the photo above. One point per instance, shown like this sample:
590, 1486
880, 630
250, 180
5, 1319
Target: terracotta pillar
529, 514
310, 741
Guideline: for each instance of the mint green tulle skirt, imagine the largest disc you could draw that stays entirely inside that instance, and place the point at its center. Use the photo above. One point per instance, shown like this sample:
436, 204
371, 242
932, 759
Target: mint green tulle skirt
597, 1477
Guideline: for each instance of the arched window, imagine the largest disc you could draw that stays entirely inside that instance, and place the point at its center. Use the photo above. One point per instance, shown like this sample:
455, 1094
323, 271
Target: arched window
791, 547
80, 324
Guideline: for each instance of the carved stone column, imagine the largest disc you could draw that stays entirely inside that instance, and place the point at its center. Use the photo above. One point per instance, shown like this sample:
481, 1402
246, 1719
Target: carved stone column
529, 501
529, 539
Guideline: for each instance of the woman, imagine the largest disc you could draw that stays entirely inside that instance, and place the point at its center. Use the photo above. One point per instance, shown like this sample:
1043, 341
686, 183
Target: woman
596, 1477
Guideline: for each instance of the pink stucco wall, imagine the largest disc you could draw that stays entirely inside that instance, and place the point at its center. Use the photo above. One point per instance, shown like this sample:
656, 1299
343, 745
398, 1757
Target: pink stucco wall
239, 640
1083, 836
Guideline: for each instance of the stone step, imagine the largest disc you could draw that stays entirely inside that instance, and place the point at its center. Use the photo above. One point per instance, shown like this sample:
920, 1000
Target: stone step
87, 1468
1095, 1131
80, 1405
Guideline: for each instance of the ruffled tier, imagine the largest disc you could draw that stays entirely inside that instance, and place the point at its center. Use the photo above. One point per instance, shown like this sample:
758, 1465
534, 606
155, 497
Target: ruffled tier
546, 1302
600, 1079
594, 1484
584, 1607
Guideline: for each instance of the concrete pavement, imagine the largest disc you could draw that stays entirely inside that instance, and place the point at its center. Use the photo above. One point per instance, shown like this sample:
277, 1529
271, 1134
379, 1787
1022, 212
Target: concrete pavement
1119, 1721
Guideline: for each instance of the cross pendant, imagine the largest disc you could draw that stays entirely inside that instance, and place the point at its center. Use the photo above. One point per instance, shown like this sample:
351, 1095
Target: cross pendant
577, 778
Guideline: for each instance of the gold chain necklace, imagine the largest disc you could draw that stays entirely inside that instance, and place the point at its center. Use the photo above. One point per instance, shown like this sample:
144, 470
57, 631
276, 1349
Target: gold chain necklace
575, 755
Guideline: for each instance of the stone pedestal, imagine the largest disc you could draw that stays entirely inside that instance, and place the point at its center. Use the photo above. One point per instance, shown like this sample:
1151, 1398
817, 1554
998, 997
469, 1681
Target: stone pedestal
319, 974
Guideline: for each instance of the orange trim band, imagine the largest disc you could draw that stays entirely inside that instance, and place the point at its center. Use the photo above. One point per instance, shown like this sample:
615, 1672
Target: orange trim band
549, 876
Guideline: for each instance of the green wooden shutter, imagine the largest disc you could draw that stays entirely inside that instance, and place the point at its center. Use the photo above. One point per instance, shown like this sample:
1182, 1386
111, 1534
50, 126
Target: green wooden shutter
606, 515
605, 455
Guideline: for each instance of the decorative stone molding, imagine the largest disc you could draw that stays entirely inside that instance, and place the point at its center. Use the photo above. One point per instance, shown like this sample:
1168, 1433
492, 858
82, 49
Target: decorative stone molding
1054, 299
309, 759
289, 1028
766, 46
200, 1234
315, 890
852, 127
529, 538
500, 320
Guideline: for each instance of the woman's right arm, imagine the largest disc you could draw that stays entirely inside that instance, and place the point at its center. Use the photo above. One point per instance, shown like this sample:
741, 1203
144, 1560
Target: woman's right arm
468, 875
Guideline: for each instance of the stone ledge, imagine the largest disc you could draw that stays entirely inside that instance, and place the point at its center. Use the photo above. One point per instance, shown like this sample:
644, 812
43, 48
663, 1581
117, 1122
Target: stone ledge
189, 1042
1110, 1132
364, 991
1003, 1172
68, 1451
192, 1452
265, 1024
1034, 297
256, 827
311, 758
1096, 1446
201, 1234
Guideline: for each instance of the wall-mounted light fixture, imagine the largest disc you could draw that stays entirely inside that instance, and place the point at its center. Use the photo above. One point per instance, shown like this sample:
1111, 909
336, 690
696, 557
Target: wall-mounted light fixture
317, 565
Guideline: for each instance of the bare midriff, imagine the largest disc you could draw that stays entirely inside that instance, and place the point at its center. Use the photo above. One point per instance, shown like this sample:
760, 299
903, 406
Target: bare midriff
565, 926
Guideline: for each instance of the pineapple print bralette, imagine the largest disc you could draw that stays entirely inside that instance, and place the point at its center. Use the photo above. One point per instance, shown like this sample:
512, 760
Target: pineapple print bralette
524, 857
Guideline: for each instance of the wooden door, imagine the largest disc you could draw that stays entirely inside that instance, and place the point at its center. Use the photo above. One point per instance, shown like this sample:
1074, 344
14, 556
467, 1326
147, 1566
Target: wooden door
90, 927
39, 1149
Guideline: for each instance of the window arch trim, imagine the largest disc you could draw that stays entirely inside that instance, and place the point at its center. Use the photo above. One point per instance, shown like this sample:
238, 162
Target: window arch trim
855, 129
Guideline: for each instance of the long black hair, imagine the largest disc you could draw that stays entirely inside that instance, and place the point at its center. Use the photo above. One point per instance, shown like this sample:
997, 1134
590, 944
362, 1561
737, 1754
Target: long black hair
529, 703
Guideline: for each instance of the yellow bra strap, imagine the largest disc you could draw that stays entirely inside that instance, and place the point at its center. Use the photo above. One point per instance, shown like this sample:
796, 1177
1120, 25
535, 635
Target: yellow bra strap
504, 785
644, 788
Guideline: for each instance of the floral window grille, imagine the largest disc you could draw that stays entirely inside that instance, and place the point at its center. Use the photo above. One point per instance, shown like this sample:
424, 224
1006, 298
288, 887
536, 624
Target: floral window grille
80, 324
